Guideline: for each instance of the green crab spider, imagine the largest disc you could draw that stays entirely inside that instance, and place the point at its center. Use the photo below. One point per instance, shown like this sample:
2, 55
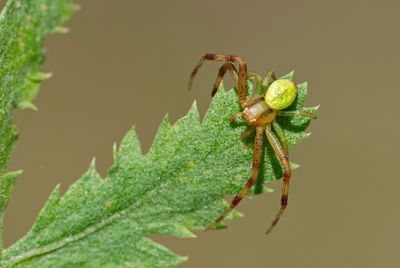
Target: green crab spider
260, 113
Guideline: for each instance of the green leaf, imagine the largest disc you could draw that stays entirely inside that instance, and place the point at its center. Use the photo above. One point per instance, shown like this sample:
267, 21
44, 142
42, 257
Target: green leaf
7, 182
178, 186
23, 25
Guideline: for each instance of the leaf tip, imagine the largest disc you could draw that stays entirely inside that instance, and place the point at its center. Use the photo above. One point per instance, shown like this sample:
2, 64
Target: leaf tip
115, 151
26, 105
294, 166
15, 173
57, 189
267, 189
92, 165
40, 76
219, 226
166, 119
216, 226
75, 7
291, 74
185, 233
183, 259
61, 30
7, 182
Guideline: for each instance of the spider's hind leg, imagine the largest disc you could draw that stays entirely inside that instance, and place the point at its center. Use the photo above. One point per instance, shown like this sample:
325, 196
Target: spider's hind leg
284, 141
221, 72
284, 159
257, 150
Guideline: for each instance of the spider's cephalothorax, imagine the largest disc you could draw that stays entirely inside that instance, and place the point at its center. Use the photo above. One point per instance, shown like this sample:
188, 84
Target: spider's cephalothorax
257, 112
263, 110
260, 113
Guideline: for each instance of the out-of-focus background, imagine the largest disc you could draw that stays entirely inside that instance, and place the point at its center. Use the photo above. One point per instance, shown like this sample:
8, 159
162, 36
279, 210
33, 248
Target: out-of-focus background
127, 63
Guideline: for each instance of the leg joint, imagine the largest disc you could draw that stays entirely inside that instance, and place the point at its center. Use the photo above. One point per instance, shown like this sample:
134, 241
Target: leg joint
209, 56
236, 201
284, 201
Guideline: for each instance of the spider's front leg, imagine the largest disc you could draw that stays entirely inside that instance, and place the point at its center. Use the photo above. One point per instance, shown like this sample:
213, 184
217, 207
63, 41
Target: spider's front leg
257, 150
269, 78
242, 74
221, 72
297, 112
264, 82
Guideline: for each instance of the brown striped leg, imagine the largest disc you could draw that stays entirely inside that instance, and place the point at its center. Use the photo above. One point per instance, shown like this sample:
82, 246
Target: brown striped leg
257, 150
256, 80
247, 133
194, 72
282, 137
242, 76
269, 78
234, 74
255, 76
283, 158
232, 70
297, 112
254, 100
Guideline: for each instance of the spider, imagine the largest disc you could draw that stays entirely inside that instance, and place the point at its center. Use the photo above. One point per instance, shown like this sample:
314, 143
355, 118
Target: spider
260, 113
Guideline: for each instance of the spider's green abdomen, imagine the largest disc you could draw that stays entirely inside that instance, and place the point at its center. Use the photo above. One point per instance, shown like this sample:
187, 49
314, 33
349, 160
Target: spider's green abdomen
281, 94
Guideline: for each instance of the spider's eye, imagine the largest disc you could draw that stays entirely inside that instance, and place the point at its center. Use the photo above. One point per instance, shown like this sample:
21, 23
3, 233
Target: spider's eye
281, 94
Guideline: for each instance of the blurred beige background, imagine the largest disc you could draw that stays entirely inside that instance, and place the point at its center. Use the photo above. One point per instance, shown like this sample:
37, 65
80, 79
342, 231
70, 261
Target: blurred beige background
122, 55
